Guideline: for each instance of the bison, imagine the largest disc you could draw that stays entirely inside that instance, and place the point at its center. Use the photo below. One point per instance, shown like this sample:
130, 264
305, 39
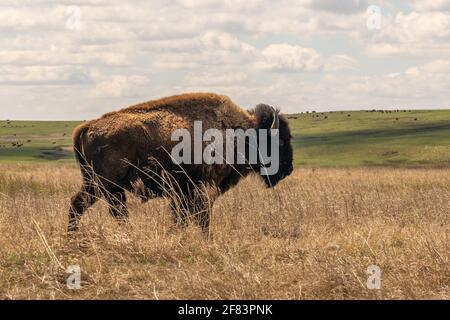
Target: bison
132, 146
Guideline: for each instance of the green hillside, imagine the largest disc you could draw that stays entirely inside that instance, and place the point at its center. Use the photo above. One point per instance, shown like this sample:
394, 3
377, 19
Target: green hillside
36, 141
404, 138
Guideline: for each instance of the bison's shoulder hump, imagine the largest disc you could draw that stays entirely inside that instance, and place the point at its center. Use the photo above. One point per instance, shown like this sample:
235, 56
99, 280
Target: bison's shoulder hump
182, 108
186, 100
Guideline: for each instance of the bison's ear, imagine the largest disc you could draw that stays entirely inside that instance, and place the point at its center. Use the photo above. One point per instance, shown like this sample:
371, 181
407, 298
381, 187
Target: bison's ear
266, 117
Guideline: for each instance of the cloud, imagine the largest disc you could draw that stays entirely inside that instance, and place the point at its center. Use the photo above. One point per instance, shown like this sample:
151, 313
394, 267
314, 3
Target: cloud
210, 79
437, 67
342, 6
288, 58
210, 49
43, 75
339, 62
412, 34
432, 5
426, 82
229, 5
41, 17
118, 86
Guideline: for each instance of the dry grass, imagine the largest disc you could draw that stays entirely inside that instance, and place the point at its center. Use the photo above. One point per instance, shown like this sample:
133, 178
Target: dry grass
311, 237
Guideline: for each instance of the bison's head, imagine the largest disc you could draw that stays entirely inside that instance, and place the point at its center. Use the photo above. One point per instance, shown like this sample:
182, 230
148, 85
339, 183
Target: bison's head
269, 118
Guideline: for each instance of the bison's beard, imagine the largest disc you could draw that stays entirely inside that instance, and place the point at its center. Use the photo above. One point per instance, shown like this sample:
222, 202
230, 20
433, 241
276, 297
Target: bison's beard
272, 180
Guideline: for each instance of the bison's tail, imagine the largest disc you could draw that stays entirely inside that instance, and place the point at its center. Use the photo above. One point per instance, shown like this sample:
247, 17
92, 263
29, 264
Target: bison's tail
78, 146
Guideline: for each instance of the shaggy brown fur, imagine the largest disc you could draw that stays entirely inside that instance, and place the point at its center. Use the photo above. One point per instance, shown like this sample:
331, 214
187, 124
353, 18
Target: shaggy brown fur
134, 144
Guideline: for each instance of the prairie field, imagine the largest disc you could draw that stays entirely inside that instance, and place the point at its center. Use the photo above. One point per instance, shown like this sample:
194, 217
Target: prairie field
312, 237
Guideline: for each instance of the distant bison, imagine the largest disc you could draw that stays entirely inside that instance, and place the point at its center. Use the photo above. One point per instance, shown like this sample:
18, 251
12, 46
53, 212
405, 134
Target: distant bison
132, 146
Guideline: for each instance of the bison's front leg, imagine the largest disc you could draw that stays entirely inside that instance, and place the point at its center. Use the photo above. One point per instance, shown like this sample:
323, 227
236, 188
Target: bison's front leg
195, 205
204, 220
204, 203
180, 212
117, 202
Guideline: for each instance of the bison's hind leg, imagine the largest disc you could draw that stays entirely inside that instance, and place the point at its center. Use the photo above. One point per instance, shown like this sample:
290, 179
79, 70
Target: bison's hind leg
81, 201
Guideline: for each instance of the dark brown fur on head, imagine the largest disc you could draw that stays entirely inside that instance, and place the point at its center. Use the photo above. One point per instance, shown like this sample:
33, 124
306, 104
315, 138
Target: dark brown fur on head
264, 115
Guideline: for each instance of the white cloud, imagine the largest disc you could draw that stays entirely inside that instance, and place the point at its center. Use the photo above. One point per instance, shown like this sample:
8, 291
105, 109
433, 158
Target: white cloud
210, 49
43, 75
412, 34
210, 79
428, 81
118, 86
437, 66
16, 18
339, 62
432, 5
342, 6
232, 5
288, 58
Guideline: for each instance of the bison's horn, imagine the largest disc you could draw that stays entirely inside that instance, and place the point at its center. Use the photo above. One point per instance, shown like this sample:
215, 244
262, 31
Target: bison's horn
276, 121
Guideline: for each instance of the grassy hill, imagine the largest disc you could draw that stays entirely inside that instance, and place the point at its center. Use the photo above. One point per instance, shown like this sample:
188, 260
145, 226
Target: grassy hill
356, 138
411, 138
37, 141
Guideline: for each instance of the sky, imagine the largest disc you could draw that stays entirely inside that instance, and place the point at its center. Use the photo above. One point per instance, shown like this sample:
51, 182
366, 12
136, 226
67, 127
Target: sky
76, 60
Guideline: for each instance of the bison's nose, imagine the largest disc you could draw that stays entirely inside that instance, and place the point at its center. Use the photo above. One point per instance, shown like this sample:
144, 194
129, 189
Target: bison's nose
290, 169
